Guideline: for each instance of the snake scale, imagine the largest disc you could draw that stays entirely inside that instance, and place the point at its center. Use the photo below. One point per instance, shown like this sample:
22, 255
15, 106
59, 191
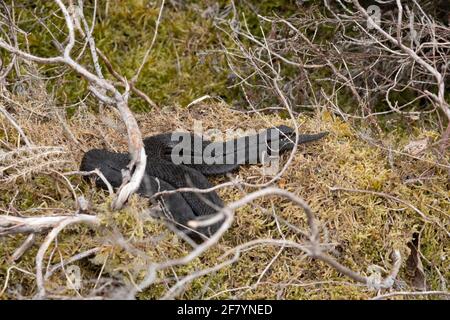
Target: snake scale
165, 174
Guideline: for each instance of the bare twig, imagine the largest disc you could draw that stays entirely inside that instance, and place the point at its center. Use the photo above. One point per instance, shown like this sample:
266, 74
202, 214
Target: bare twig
29, 241
78, 218
135, 145
14, 225
312, 248
16, 125
406, 203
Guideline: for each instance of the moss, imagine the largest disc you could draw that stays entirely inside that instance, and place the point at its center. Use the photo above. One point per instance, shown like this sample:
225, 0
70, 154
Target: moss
362, 227
178, 69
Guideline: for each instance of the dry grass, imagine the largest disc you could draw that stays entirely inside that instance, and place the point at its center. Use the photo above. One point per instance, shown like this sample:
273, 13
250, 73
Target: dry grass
362, 227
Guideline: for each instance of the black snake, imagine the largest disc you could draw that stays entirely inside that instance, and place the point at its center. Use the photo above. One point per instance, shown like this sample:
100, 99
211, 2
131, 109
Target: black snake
162, 174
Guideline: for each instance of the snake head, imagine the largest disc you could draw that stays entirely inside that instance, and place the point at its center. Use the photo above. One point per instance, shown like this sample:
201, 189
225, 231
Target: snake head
287, 137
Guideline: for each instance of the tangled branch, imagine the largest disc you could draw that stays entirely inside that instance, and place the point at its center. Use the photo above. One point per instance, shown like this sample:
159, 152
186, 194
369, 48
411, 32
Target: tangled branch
120, 100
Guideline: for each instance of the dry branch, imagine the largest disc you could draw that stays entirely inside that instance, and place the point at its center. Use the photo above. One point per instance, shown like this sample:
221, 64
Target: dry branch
14, 225
313, 247
135, 145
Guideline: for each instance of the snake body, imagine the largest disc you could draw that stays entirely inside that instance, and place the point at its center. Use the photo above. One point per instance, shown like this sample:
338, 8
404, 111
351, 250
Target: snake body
164, 174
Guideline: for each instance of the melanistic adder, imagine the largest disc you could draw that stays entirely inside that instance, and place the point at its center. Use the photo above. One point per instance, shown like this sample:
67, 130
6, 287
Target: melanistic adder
199, 158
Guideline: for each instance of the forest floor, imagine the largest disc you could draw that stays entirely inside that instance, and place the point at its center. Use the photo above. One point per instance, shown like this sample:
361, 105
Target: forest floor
386, 207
